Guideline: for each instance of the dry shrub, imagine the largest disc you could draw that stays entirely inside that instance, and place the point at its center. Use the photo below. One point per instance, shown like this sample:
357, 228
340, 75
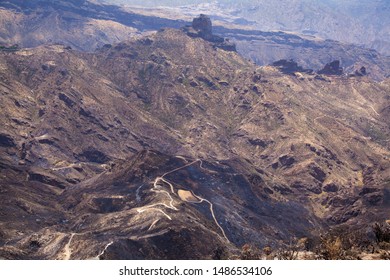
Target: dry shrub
331, 248
287, 254
382, 232
342, 243
220, 253
248, 252
385, 255
267, 250
290, 251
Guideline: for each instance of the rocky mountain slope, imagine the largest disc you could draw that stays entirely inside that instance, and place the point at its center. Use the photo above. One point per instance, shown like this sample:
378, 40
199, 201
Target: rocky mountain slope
166, 146
86, 25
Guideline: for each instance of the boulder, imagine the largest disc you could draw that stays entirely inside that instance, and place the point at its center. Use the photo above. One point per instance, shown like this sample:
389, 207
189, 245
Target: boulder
331, 187
317, 173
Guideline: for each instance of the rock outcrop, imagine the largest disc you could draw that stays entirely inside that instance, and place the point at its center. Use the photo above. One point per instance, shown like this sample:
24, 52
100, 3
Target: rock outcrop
332, 68
290, 66
6, 140
202, 27
360, 72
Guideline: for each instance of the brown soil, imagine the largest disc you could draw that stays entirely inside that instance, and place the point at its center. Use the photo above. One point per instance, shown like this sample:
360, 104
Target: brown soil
187, 196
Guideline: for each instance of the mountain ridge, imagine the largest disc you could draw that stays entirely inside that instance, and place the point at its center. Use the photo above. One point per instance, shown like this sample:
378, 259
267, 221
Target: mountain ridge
90, 26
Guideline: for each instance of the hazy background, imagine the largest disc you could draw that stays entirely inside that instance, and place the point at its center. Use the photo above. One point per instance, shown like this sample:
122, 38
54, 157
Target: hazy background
363, 22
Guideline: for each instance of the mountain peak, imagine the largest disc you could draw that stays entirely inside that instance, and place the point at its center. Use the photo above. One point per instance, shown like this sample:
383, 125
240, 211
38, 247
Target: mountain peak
202, 28
203, 25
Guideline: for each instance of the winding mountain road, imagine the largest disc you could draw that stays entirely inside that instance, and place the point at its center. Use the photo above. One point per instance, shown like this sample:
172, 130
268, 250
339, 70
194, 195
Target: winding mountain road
67, 250
201, 199
104, 250
157, 189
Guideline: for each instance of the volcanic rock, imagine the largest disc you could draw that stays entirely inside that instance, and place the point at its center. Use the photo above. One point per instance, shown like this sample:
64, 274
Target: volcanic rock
202, 27
290, 66
360, 72
332, 68
6, 140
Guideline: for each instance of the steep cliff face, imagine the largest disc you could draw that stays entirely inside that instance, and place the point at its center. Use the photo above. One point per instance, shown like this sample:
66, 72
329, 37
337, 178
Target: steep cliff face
164, 141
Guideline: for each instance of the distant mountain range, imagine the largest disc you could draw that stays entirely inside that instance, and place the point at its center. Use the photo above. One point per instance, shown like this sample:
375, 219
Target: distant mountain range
361, 22
86, 26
